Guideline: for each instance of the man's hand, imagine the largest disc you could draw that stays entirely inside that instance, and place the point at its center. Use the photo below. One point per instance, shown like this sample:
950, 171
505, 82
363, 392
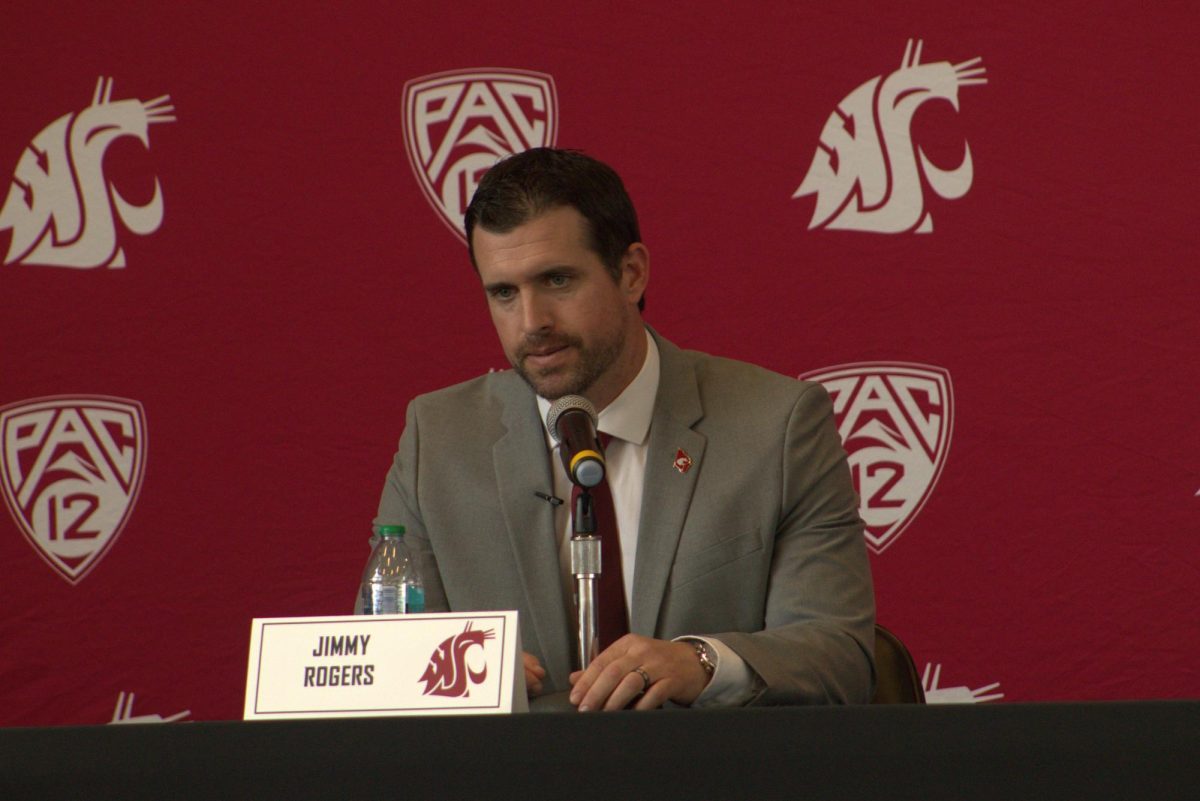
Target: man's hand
534, 673
613, 679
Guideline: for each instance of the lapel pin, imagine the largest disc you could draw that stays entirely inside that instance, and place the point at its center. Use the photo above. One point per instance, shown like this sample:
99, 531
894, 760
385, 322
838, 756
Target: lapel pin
683, 462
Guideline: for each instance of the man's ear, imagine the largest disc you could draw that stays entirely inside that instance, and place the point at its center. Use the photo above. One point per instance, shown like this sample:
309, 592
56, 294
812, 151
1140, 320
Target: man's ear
635, 271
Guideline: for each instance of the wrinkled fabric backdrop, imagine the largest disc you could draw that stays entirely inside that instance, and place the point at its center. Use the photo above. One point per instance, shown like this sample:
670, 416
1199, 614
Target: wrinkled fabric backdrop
230, 258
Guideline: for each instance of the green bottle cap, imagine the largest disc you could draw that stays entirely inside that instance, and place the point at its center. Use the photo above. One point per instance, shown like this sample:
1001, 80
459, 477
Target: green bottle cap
389, 531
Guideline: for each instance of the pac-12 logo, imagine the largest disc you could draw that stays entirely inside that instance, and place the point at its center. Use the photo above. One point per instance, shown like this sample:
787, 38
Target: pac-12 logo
447, 673
61, 206
865, 171
71, 471
895, 421
458, 124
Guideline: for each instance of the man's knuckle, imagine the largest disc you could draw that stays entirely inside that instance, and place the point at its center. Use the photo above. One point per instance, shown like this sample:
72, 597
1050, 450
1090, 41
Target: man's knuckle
614, 672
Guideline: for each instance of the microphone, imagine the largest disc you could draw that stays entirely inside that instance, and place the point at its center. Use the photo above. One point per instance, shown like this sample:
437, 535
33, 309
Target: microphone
572, 423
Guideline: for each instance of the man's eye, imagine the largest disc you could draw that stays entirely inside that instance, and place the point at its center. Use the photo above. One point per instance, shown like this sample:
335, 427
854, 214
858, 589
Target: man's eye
502, 293
559, 280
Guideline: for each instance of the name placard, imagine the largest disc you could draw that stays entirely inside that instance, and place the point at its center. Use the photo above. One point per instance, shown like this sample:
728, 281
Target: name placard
374, 665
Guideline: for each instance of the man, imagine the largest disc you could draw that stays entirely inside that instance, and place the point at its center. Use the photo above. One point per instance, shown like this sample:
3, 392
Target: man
744, 567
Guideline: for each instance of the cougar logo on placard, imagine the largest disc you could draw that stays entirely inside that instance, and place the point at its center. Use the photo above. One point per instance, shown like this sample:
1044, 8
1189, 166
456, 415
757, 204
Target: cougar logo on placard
458, 124
865, 171
71, 471
61, 206
895, 421
447, 672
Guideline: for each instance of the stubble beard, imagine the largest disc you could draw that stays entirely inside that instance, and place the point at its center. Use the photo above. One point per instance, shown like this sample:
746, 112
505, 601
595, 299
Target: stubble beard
576, 379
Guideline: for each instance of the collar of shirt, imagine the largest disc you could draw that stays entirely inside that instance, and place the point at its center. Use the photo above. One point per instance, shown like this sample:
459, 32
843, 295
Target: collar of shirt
628, 417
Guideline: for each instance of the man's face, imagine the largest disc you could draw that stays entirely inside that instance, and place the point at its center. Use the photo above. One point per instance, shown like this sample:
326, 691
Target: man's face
565, 325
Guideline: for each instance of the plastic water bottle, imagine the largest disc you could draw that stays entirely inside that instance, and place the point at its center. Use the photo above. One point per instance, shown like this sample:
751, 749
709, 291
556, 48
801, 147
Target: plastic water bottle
390, 582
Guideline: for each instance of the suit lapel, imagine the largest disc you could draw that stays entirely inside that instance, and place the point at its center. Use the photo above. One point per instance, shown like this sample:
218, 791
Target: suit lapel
667, 492
521, 469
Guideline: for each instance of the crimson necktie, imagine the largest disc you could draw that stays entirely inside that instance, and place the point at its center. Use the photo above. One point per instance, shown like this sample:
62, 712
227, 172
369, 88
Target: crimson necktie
612, 619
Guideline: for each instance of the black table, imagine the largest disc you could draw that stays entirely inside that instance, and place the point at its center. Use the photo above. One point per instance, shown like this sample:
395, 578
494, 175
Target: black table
1016, 752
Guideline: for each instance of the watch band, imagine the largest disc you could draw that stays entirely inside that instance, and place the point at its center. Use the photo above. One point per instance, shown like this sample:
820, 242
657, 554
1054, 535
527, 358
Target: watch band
704, 654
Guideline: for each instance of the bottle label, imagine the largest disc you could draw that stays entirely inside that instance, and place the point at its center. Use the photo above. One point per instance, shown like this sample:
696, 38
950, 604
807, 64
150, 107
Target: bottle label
414, 599
384, 599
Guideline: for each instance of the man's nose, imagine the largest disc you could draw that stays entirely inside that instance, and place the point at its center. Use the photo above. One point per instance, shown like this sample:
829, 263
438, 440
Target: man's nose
536, 316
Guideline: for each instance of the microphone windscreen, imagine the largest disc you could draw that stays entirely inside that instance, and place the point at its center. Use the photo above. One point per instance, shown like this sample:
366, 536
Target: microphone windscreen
565, 404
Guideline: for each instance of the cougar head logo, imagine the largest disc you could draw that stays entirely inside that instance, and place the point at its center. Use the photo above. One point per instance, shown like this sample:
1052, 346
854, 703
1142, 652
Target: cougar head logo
60, 206
447, 672
865, 172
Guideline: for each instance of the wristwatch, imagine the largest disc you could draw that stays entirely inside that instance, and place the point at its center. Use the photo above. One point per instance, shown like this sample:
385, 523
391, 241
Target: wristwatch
706, 655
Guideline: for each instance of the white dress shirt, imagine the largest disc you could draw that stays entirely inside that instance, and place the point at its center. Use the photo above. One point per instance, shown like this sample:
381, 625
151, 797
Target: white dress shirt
627, 420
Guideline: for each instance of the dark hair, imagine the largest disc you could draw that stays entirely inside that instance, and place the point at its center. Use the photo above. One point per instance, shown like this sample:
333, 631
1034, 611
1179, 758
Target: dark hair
528, 184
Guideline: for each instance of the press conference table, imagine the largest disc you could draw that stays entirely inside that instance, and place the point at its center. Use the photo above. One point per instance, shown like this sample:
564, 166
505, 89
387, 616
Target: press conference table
1016, 752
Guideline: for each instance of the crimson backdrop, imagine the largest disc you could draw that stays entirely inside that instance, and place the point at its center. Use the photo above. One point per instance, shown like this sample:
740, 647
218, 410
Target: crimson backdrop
297, 286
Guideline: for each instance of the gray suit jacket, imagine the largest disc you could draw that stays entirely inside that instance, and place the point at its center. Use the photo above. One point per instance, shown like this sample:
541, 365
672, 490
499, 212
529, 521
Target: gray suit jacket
759, 544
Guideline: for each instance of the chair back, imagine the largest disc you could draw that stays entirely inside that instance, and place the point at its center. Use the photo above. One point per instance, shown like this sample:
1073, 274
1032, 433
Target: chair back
897, 681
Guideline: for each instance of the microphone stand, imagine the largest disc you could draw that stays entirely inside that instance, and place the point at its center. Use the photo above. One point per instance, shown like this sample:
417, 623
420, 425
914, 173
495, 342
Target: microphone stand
585, 565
